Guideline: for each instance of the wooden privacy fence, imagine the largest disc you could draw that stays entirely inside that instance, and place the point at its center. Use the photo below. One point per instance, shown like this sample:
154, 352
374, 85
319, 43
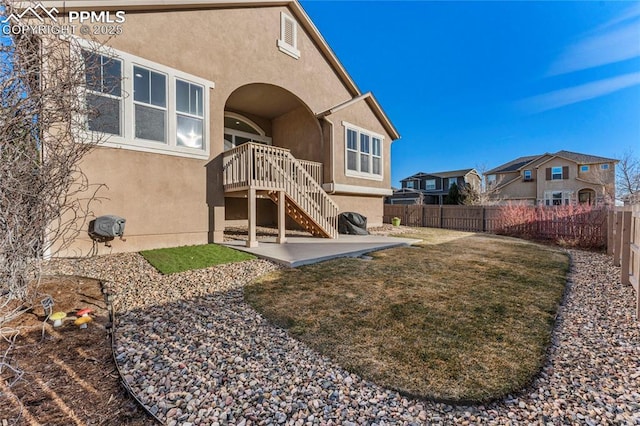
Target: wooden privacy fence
460, 218
624, 245
584, 226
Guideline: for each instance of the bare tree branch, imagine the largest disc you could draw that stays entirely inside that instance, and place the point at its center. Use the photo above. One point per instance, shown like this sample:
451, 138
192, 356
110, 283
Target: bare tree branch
628, 176
44, 195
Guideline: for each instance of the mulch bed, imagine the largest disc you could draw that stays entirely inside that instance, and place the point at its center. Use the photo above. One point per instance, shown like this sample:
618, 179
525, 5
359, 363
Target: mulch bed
68, 374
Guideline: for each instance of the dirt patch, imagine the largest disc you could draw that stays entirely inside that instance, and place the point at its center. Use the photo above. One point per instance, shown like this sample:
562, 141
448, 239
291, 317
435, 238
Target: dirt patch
68, 374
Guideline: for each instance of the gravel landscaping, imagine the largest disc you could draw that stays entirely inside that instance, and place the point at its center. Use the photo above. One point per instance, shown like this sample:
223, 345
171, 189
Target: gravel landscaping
195, 353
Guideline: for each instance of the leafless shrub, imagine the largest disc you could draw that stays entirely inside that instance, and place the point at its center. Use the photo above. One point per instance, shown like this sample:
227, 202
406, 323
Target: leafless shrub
44, 196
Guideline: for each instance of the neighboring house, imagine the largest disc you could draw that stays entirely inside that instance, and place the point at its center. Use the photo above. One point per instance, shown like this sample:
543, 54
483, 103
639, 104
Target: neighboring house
237, 112
432, 188
560, 178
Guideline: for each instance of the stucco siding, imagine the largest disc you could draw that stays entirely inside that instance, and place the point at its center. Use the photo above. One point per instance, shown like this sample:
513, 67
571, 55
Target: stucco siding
370, 207
160, 196
299, 132
171, 200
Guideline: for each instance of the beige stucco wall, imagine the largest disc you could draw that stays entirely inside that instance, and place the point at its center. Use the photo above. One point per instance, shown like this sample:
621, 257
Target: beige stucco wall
370, 207
169, 200
300, 132
158, 195
595, 179
519, 189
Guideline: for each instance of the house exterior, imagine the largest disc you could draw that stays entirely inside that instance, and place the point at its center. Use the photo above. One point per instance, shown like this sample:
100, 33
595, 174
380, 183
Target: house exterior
228, 112
432, 188
560, 178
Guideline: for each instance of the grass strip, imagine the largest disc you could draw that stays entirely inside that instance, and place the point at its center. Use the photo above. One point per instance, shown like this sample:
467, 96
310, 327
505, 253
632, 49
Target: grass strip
185, 258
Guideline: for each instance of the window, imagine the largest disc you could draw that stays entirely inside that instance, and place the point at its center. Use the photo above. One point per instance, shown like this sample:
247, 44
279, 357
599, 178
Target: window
557, 198
430, 184
556, 173
104, 93
491, 180
352, 150
409, 184
452, 181
150, 104
288, 42
363, 153
376, 156
166, 111
527, 175
604, 166
239, 130
584, 168
190, 114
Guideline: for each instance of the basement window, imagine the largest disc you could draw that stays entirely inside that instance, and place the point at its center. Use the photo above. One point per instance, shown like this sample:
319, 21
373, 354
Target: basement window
288, 42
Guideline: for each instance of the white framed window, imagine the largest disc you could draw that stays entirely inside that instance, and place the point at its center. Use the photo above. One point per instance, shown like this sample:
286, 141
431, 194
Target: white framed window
150, 104
189, 114
288, 41
604, 166
557, 198
239, 130
166, 111
527, 175
363, 153
430, 184
584, 168
491, 180
103, 76
556, 173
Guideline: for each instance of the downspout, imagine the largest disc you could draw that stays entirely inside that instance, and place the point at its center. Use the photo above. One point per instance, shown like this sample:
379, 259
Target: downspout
332, 157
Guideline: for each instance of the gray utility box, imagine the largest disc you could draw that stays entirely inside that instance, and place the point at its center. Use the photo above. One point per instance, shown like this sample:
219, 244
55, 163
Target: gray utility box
107, 226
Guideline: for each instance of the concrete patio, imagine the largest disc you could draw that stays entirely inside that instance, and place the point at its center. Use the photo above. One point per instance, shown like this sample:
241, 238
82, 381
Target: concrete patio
298, 250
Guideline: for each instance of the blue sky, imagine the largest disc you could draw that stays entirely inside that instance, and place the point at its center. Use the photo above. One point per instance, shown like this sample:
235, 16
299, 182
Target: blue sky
473, 84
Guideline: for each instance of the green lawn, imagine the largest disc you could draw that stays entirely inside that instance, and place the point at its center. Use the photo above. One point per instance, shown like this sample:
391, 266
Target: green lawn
179, 259
461, 318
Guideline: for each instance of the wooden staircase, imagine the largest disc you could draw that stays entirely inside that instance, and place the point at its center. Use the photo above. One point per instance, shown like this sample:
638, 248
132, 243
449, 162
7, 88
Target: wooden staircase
273, 170
300, 216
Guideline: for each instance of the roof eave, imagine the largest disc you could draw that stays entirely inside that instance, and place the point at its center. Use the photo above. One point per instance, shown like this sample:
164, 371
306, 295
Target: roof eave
375, 107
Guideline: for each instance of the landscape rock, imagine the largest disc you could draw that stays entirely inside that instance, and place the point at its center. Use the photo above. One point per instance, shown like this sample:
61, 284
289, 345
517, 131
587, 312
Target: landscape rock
196, 353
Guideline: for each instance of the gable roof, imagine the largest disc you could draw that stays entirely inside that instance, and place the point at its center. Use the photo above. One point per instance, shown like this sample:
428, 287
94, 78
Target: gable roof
296, 8
453, 173
583, 158
520, 162
513, 165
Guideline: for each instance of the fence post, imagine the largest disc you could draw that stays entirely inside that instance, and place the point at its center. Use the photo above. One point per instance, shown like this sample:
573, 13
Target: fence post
610, 223
440, 216
617, 243
424, 215
626, 247
484, 219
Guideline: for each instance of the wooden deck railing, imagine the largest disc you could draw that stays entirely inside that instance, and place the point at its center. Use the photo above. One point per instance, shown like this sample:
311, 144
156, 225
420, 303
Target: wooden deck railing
269, 168
314, 169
